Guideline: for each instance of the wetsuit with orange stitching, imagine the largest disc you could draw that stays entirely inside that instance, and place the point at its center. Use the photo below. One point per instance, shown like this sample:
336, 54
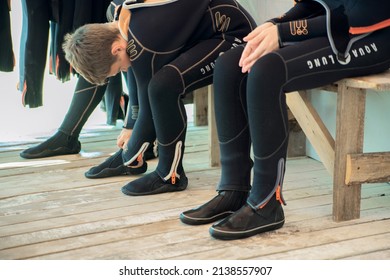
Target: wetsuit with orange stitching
173, 48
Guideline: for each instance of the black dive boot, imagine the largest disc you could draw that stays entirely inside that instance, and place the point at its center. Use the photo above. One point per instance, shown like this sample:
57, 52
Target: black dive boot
221, 206
247, 221
113, 166
59, 144
153, 184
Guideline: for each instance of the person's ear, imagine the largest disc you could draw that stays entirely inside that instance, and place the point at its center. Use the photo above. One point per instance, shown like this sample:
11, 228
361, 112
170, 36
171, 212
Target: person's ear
116, 48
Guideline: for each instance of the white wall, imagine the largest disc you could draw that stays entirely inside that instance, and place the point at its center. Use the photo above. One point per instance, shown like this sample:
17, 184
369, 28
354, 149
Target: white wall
377, 119
263, 10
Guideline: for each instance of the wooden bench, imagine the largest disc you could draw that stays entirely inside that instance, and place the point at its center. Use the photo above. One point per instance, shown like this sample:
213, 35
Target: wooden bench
203, 111
343, 156
200, 105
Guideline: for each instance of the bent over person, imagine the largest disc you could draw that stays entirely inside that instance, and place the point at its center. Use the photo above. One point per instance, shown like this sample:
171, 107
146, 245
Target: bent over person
169, 44
313, 44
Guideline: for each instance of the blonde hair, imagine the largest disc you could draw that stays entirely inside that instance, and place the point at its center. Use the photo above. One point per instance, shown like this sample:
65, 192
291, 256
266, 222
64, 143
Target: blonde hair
88, 50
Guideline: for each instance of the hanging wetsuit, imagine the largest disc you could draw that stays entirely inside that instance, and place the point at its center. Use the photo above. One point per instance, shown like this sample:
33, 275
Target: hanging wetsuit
39, 15
7, 59
86, 96
62, 17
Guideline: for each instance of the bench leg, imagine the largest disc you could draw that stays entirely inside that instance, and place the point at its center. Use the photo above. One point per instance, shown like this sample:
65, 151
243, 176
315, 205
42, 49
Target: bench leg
213, 136
313, 127
349, 140
200, 106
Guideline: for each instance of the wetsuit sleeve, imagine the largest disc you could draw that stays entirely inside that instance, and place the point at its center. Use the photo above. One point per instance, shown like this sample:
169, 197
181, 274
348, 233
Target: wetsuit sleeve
133, 106
302, 29
299, 30
131, 116
301, 10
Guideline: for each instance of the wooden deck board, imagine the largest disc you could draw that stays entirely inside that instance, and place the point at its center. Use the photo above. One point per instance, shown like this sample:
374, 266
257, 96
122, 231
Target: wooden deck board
49, 210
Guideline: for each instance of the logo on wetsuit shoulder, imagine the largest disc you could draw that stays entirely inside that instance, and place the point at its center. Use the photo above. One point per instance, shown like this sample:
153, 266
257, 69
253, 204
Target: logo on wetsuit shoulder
131, 49
222, 22
332, 59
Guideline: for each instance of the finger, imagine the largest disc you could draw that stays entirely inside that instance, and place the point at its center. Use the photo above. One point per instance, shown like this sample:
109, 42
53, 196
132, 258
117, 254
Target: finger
250, 61
252, 58
246, 52
250, 46
253, 33
250, 35
125, 143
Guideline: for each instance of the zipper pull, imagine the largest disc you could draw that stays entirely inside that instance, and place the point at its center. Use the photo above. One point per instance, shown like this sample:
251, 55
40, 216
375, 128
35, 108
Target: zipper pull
173, 178
139, 158
278, 196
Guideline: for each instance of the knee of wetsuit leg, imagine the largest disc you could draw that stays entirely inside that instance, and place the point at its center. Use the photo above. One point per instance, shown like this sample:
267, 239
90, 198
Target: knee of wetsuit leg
165, 84
228, 76
228, 62
268, 69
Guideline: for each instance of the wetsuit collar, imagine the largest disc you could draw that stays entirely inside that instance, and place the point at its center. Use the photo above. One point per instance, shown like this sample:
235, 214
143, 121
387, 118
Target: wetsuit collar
134, 4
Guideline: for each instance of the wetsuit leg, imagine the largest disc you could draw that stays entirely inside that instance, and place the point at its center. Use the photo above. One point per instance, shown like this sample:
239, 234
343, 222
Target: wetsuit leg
269, 133
234, 143
85, 99
232, 122
143, 135
132, 113
191, 70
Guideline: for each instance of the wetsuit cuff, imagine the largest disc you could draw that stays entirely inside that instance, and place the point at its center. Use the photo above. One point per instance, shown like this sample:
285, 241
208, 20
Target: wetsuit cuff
280, 41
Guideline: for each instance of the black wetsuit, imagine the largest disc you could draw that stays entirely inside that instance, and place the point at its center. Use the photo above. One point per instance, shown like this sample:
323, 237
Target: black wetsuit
320, 45
7, 59
86, 95
173, 48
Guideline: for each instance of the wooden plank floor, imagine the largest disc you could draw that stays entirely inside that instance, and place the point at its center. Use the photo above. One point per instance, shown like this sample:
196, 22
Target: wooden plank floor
49, 210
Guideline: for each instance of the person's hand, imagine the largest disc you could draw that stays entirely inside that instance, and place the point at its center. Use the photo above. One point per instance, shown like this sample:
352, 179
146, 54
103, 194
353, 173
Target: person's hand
123, 138
262, 40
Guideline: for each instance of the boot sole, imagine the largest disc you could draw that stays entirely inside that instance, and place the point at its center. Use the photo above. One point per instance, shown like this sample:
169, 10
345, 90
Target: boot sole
50, 153
202, 221
120, 170
229, 235
163, 189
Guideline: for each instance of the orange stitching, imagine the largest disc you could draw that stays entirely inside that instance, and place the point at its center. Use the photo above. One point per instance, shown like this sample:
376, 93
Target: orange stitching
366, 29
